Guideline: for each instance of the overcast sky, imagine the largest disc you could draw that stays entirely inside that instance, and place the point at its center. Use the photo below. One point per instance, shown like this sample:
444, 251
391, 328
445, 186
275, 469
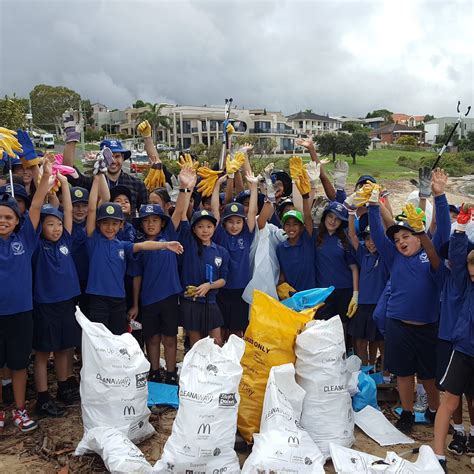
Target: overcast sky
337, 57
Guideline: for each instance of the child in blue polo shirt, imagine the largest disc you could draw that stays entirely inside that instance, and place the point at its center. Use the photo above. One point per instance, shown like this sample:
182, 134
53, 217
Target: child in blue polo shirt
123, 196
235, 233
108, 261
205, 268
415, 272
372, 280
16, 293
56, 287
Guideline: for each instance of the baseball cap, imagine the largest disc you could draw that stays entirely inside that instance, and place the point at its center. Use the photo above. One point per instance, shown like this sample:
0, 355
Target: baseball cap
233, 209
338, 209
19, 191
364, 178
200, 215
7, 201
116, 147
400, 225
110, 210
118, 190
293, 213
48, 210
79, 195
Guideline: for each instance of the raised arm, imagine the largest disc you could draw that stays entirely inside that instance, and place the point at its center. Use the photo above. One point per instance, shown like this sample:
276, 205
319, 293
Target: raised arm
458, 245
352, 232
67, 202
215, 198
253, 202
92, 206
73, 125
439, 180
40, 194
104, 190
187, 181
430, 250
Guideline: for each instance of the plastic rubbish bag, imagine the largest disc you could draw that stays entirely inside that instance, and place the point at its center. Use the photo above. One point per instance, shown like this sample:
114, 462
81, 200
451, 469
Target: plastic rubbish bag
203, 434
282, 443
269, 341
367, 392
307, 298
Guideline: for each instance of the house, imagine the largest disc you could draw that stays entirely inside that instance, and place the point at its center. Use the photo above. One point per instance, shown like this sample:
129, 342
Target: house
375, 122
309, 123
392, 132
436, 127
410, 120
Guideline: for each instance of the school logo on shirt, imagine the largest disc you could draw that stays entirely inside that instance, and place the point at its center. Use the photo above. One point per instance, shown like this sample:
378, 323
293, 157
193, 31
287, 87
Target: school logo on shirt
121, 254
340, 244
241, 244
17, 248
64, 250
218, 261
424, 258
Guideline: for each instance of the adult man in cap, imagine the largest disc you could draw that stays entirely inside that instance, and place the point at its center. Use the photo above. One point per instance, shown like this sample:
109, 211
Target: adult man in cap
115, 175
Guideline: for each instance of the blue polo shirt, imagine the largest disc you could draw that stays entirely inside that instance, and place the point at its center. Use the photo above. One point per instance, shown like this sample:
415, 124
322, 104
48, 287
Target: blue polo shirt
79, 250
55, 275
373, 275
332, 262
193, 270
16, 289
159, 269
128, 233
451, 307
238, 247
415, 287
107, 265
297, 262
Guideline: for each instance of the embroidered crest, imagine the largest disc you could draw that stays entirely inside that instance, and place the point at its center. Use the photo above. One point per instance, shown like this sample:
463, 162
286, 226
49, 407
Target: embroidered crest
218, 261
64, 250
17, 248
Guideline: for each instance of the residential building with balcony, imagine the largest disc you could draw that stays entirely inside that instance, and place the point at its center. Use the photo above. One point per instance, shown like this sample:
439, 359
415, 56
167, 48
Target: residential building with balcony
437, 126
309, 124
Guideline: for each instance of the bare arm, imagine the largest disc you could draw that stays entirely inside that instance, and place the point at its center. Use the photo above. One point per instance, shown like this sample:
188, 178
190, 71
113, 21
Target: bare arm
430, 250
69, 153
308, 220
67, 202
40, 194
253, 202
355, 277
215, 198
133, 311
150, 245
104, 190
352, 232
187, 180
92, 206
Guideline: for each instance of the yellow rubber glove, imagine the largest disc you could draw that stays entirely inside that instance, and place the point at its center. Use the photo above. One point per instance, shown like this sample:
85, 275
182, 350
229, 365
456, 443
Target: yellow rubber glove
284, 290
230, 129
299, 175
351, 310
9, 143
187, 161
144, 129
414, 217
363, 194
232, 165
190, 291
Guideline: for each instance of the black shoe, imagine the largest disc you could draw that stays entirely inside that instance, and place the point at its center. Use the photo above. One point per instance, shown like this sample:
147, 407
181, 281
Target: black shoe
458, 444
444, 464
50, 408
171, 378
7, 394
154, 376
68, 396
405, 422
470, 445
430, 416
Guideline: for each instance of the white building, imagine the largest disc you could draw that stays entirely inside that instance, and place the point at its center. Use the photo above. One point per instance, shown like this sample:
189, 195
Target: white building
437, 126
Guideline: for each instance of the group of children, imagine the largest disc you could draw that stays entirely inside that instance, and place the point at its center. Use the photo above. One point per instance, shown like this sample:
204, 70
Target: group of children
189, 261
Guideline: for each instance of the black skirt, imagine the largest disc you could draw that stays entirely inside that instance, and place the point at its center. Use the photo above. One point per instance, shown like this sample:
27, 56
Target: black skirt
193, 315
233, 308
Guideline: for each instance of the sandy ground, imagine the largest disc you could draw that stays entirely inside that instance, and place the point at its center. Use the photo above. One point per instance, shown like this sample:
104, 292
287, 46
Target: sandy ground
50, 448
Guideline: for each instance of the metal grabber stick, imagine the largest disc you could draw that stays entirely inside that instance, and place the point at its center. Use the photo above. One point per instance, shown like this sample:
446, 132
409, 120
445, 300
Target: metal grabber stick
226, 138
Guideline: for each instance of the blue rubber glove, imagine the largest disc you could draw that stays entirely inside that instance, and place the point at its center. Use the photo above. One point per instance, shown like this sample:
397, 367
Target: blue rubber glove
29, 152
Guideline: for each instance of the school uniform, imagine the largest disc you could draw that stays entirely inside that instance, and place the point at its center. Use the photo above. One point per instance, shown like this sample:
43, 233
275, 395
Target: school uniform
81, 261
229, 298
196, 270
105, 284
56, 287
373, 276
16, 296
160, 287
331, 263
459, 375
414, 296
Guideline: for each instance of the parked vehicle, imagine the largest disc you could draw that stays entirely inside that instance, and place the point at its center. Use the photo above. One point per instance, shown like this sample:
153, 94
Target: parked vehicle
139, 163
47, 140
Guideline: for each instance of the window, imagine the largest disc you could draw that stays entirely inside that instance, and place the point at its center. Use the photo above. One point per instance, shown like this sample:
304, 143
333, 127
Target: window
186, 126
262, 127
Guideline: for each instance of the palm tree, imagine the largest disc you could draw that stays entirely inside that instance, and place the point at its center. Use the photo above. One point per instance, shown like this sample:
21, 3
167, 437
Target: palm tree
154, 116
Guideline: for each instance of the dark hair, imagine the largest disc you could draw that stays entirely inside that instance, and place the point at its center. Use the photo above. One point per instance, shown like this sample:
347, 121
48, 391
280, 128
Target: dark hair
339, 232
163, 193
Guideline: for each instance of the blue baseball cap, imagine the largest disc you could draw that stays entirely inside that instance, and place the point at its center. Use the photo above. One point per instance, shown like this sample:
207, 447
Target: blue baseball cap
364, 178
243, 195
233, 209
203, 214
400, 225
15, 161
48, 210
79, 195
338, 210
116, 147
19, 190
150, 210
7, 201
110, 210
453, 208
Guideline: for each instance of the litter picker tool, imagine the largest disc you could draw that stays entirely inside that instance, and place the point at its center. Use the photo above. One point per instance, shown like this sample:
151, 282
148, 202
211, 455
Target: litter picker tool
458, 122
226, 138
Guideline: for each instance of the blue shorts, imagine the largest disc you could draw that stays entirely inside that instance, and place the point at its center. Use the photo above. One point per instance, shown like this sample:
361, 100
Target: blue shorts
444, 349
362, 325
411, 349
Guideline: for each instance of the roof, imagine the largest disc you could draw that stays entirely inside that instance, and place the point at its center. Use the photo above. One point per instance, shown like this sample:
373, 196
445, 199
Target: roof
394, 128
309, 116
373, 119
403, 117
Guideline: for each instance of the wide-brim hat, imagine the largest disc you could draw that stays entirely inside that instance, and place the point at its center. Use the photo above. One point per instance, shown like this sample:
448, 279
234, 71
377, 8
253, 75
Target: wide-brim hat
284, 177
338, 210
118, 190
116, 147
150, 210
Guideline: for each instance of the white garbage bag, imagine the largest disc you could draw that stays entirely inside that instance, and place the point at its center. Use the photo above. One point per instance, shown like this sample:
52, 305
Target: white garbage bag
119, 454
348, 461
113, 388
321, 371
282, 444
203, 435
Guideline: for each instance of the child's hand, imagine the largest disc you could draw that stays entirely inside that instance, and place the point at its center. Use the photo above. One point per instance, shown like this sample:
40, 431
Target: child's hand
246, 148
47, 167
251, 178
439, 180
132, 313
202, 290
187, 178
175, 247
305, 142
62, 179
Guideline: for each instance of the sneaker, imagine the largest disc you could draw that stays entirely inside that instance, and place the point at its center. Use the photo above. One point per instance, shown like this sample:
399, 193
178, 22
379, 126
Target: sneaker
154, 376
458, 444
3, 416
405, 422
50, 408
69, 396
470, 445
421, 404
7, 394
171, 378
430, 416
444, 464
23, 421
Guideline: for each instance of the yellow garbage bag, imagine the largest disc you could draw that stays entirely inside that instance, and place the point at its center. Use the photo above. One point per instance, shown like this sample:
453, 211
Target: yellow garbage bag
269, 341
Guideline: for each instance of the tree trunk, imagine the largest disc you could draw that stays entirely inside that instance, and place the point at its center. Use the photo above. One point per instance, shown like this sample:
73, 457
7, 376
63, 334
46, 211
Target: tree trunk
353, 158
333, 155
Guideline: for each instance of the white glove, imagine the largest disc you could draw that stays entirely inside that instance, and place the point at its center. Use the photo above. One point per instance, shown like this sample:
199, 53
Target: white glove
100, 165
350, 203
375, 195
314, 170
267, 177
173, 191
341, 170
73, 125
317, 210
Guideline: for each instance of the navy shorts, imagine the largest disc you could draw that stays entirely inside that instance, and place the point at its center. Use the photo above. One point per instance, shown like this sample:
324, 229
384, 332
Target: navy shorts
362, 325
411, 349
55, 327
111, 312
444, 349
336, 303
161, 317
193, 316
459, 375
234, 309
16, 335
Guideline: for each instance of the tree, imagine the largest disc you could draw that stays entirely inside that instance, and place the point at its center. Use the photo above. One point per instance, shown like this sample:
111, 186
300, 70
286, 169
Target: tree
353, 126
328, 144
138, 104
428, 117
356, 144
467, 144
441, 139
386, 114
13, 112
245, 138
48, 103
265, 146
88, 112
154, 116
409, 140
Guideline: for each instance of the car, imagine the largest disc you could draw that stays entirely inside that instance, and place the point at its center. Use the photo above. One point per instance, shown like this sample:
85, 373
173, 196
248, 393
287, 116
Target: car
47, 140
139, 163
163, 147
